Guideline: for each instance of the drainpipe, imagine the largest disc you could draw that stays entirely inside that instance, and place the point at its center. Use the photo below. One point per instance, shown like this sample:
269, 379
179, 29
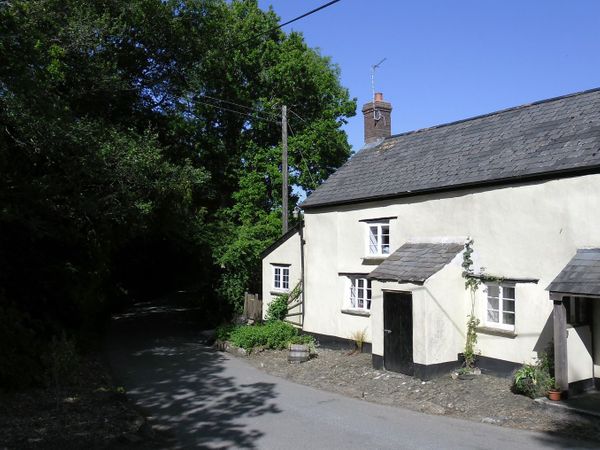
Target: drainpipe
302, 242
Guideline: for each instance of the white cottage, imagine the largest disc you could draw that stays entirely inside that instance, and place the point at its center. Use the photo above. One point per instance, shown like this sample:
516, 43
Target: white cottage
382, 241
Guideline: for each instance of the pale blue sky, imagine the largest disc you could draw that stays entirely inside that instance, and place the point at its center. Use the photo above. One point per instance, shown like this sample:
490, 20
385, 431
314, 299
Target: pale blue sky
449, 60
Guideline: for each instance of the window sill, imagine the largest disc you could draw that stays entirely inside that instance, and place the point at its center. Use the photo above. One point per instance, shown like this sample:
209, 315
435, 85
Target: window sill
279, 292
497, 332
373, 260
356, 312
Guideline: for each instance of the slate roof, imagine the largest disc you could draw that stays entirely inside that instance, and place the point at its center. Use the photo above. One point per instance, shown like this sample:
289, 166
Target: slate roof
544, 138
415, 262
581, 275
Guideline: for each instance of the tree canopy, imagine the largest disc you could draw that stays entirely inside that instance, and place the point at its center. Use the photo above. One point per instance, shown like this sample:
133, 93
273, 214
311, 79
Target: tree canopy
140, 149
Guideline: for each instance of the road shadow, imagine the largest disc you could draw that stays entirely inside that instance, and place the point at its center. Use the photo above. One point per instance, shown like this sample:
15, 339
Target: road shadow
571, 430
156, 352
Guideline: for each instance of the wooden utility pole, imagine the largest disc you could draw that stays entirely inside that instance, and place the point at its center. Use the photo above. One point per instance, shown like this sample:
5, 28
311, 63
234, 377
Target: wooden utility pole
284, 170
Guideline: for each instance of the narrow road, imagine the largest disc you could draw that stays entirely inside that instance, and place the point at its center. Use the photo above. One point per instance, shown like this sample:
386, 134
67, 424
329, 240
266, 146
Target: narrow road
213, 400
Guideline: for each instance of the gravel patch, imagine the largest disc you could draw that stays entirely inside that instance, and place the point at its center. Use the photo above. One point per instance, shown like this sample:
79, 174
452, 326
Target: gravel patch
485, 398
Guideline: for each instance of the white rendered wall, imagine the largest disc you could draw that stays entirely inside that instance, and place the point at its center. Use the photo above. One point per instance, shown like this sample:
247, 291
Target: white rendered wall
521, 231
579, 343
440, 311
287, 253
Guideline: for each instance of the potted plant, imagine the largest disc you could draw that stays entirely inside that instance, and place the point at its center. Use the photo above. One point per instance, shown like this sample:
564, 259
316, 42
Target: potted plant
554, 392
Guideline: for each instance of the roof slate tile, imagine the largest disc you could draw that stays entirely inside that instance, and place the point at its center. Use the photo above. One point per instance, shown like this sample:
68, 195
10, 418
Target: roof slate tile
415, 262
553, 135
581, 276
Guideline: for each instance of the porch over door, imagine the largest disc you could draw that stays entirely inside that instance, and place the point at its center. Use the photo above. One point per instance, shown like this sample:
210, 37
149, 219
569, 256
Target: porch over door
398, 332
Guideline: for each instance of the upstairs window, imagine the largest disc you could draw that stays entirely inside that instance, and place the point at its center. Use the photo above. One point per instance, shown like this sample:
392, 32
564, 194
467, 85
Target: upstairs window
359, 295
501, 306
378, 239
281, 278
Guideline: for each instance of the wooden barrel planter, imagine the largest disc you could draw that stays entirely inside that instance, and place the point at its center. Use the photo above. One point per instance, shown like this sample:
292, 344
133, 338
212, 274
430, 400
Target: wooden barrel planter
298, 353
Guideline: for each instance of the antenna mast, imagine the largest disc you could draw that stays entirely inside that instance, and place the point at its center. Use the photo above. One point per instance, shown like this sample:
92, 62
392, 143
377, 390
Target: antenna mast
376, 113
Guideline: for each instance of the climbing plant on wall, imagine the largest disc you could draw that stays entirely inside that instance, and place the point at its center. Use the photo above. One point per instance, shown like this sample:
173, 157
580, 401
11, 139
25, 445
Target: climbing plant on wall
472, 283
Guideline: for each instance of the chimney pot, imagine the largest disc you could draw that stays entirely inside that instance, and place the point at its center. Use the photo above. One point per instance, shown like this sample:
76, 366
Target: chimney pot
377, 119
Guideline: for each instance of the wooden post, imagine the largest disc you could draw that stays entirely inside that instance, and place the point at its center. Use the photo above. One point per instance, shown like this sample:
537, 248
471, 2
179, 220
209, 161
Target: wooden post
284, 170
561, 361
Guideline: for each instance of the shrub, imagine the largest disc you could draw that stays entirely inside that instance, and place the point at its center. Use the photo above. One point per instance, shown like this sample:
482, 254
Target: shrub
223, 332
278, 308
533, 380
274, 335
62, 360
306, 339
279, 334
20, 365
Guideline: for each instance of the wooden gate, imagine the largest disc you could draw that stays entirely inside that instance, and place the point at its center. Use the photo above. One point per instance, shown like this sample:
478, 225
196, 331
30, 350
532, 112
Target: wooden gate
252, 307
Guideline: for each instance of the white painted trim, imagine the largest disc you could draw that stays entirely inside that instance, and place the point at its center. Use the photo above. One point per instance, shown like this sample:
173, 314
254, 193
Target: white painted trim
379, 226
499, 325
282, 267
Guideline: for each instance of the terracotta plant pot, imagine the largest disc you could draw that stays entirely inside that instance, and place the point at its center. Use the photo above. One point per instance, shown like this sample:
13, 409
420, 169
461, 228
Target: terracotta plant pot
554, 394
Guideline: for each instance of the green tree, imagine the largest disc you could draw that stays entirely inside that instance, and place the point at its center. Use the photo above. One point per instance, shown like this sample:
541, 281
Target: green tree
140, 148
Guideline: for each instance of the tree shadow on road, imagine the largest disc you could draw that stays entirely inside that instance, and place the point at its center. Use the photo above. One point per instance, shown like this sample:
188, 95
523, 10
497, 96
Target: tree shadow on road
180, 382
569, 426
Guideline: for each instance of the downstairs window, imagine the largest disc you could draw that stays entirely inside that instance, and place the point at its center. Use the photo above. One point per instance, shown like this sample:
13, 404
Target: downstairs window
359, 294
500, 306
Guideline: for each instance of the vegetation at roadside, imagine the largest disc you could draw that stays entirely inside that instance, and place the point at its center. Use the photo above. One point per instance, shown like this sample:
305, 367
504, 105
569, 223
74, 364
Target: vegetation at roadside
140, 154
535, 380
276, 335
359, 337
277, 309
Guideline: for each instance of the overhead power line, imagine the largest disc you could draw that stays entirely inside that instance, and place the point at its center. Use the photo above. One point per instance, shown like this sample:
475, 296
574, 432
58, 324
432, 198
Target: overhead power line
283, 24
303, 159
247, 114
297, 115
249, 108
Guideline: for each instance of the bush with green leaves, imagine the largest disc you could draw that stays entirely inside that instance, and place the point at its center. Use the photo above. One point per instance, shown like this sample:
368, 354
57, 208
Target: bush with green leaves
223, 332
534, 380
278, 308
272, 335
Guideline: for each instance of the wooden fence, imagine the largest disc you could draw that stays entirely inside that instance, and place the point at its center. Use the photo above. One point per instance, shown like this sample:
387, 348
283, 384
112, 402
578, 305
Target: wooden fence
252, 306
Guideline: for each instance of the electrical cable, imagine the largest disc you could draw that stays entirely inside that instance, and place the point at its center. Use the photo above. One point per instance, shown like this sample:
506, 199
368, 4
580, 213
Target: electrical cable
282, 25
304, 159
254, 115
296, 114
237, 104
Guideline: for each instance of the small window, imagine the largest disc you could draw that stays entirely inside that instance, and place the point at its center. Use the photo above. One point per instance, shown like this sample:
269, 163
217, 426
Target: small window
359, 295
500, 311
378, 239
281, 278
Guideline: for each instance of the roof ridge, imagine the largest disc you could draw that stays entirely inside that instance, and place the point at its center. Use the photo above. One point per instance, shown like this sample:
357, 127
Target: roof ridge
500, 111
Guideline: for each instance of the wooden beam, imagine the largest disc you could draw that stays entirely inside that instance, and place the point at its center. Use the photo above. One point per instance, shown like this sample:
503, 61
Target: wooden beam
561, 361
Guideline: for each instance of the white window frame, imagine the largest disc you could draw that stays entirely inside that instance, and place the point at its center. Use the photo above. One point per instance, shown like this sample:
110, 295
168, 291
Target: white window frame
358, 290
500, 324
377, 248
280, 274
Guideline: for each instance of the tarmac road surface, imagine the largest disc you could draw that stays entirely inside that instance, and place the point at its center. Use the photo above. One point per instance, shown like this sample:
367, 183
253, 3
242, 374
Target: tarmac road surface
213, 400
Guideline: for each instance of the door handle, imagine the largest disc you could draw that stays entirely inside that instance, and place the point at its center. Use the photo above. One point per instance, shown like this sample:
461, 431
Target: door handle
387, 331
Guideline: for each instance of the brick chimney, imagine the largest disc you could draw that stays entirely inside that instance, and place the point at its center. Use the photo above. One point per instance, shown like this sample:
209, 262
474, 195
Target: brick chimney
378, 119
